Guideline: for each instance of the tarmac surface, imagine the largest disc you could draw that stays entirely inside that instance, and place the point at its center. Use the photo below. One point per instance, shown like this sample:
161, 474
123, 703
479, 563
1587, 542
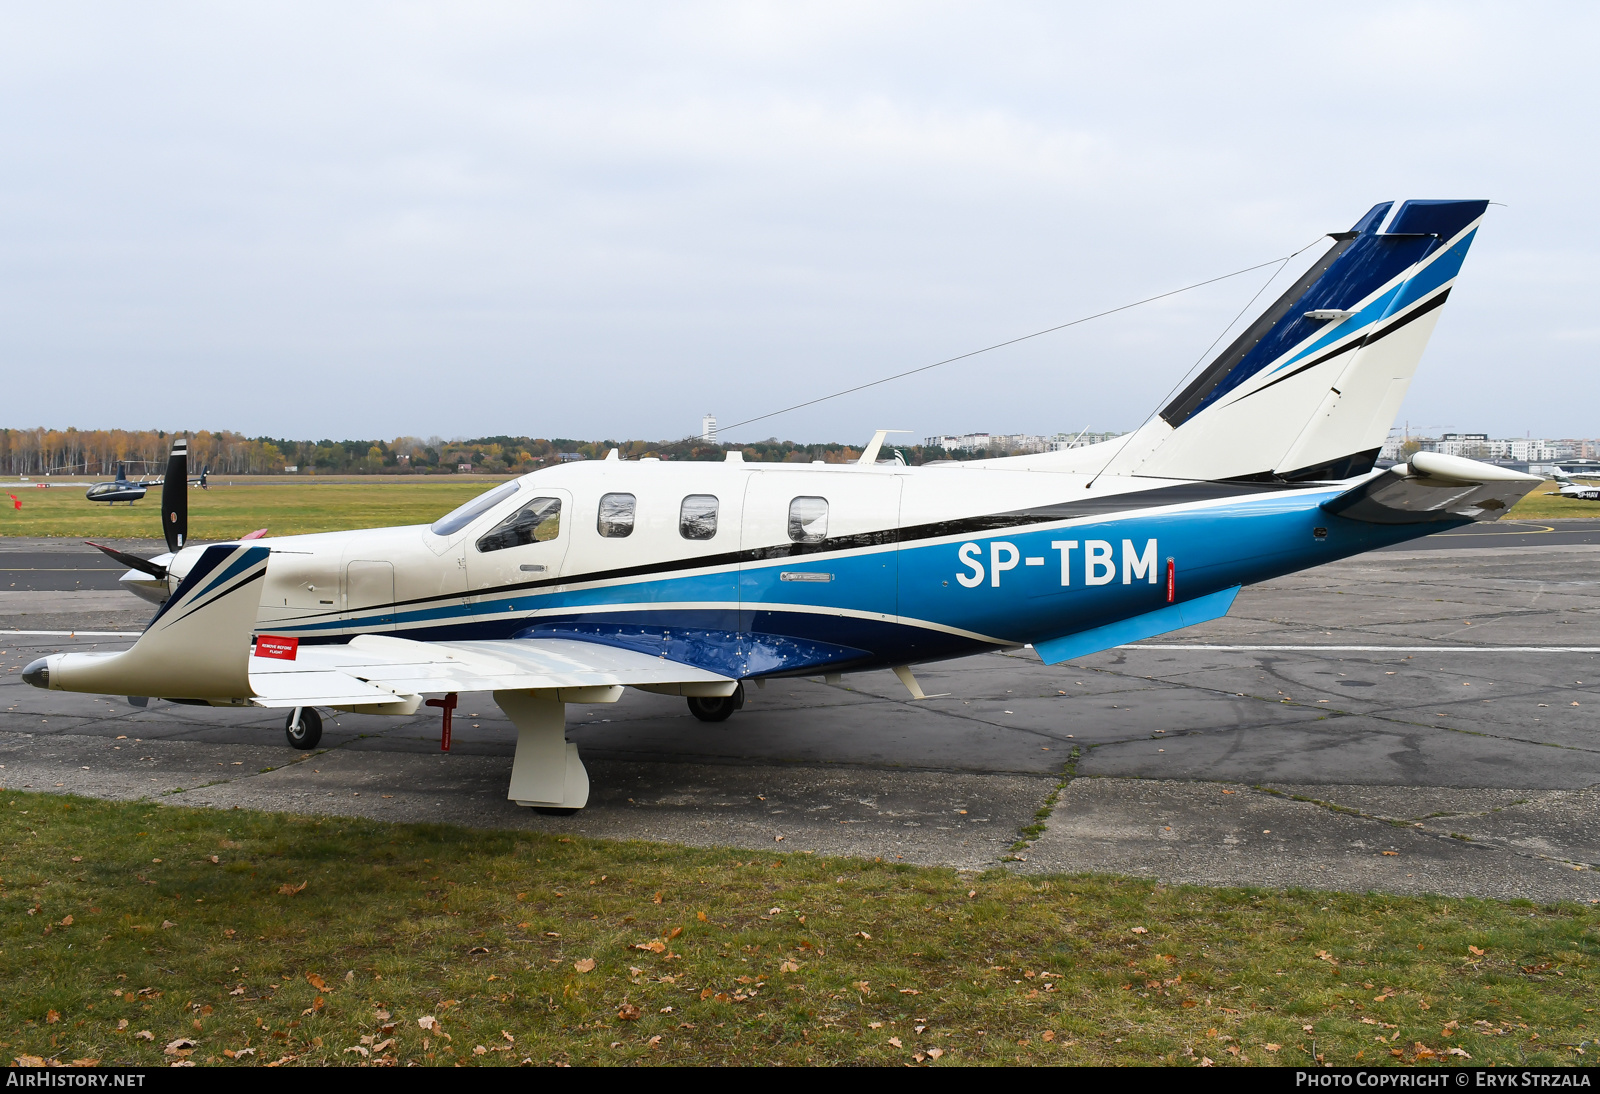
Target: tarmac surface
1419, 719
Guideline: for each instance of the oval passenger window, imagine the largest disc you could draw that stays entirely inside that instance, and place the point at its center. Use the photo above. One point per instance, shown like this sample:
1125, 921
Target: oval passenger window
615, 519
697, 519
808, 520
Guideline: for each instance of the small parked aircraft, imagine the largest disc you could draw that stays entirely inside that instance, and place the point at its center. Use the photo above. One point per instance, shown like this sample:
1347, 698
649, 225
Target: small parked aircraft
1581, 488
692, 579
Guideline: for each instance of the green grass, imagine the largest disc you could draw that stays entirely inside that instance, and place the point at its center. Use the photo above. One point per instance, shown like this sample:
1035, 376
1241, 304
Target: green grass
296, 505
766, 958
225, 512
1541, 504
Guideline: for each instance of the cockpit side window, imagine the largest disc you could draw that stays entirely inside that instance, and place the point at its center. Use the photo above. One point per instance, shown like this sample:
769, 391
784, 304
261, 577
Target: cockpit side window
457, 519
697, 519
615, 519
535, 522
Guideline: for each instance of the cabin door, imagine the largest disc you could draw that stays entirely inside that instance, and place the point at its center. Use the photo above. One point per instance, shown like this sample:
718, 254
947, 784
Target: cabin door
819, 555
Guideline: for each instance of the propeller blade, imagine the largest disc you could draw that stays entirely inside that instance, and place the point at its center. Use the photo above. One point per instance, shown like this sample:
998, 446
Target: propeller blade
133, 562
257, 534
175, 497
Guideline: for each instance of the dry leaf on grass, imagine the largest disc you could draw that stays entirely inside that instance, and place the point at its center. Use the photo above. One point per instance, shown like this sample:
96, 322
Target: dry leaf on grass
287, 889
429, 1023
180, 1046
655, 945
1139, 930
628, 1013
1475, 952
586, 965
895, 1041
935, 1053
789, 966
316, 981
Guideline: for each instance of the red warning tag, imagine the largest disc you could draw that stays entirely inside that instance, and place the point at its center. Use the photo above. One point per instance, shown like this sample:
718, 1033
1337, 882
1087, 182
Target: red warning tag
272, 645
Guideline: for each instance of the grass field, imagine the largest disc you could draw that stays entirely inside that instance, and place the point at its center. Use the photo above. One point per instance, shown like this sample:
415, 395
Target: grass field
288, 506
226, 512
138, 934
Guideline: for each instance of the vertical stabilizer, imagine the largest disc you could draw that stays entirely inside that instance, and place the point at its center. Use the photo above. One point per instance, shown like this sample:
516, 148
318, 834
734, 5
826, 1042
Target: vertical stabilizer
1310, 390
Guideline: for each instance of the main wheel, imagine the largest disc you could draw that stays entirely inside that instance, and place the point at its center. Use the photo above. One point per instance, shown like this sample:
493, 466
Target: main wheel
716, 708
303, 727
554, 810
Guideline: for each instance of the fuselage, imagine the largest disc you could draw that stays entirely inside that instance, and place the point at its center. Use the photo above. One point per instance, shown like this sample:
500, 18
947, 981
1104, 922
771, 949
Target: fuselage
770, 569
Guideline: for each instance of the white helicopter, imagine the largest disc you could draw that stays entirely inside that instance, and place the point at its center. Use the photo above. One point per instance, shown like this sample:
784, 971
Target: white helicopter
692, 579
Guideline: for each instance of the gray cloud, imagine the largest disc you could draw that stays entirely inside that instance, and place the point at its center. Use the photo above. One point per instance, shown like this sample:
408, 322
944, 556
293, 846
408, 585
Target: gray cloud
375, 219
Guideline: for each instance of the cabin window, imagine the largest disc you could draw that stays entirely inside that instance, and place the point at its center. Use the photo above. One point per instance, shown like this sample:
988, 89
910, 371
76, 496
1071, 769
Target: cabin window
808, 520
698, 517
616, 516
457, 519
535, 522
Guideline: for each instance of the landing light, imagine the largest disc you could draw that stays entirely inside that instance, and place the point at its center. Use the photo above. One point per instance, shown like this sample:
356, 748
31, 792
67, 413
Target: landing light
1329, 313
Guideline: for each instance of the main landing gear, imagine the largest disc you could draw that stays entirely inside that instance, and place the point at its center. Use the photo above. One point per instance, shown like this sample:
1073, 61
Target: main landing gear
716, 708
303, 728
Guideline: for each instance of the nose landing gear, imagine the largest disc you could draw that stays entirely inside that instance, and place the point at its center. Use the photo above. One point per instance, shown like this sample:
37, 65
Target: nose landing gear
716, 708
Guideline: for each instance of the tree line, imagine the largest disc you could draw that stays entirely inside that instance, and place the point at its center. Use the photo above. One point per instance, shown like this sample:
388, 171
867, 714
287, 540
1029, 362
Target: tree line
43, 451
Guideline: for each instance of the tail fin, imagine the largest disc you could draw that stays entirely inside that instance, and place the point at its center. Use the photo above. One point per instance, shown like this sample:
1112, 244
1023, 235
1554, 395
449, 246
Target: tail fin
1311, 388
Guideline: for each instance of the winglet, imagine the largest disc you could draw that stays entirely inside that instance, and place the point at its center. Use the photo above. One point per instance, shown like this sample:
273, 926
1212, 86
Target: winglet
869, 455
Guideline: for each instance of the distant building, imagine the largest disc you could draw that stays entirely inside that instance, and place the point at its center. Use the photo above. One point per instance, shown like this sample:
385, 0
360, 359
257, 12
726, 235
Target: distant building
708, 429
569, 457
1015, 444
463, 467
291, 469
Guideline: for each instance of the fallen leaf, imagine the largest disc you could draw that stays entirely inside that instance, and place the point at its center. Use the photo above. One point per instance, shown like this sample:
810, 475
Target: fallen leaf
1271, 1047
1140, 930
178, 1046
789, 966
1048, 1035
701, 916
655, 945
379, 1047
122, 1024
290, 890
674, 933
67, 922
935, 1053
167, 924
863, 987
628, 1013
428, 1022
863, 934
586, 965
895, 1041
362, 1049
316, 981
656, 899
52, 1016
145, 1035
1475, 952
1463, 1053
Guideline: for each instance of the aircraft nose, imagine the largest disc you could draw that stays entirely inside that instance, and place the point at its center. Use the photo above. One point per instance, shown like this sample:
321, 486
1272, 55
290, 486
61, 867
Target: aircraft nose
37, 673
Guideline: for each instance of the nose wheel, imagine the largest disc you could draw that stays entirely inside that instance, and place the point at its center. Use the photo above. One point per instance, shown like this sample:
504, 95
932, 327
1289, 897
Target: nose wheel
303, 727
716, 708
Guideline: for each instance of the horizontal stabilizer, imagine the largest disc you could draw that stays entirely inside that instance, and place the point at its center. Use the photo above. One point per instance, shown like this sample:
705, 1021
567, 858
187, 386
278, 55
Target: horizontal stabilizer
1434, 487
1201, 609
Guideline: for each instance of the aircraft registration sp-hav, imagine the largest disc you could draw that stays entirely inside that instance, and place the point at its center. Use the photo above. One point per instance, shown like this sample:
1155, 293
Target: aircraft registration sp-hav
1578, 488
573, 582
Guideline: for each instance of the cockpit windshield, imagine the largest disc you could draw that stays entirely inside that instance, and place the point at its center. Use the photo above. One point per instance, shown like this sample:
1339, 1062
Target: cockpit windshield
457, 519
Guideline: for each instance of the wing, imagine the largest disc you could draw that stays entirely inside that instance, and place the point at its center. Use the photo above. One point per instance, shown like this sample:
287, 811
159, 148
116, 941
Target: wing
379, 671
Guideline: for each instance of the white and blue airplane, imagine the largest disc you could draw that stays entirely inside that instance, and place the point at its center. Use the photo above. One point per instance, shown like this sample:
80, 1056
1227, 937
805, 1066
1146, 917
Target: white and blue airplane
693, 579
1578, 488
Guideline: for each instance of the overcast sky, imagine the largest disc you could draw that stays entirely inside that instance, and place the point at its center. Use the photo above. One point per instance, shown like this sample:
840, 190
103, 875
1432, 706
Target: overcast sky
588, 220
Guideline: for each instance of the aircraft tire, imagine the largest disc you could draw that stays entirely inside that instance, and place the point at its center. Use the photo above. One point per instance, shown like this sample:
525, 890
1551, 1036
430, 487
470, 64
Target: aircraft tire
310, 731
554, 810
716, 708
